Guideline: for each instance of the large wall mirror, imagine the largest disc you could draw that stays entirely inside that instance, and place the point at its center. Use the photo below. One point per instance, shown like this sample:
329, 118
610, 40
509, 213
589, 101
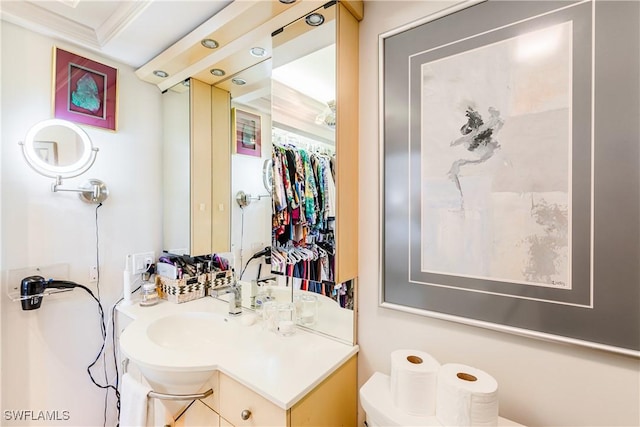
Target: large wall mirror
195, 167
293, 93
175, 170
303, 103
288, 98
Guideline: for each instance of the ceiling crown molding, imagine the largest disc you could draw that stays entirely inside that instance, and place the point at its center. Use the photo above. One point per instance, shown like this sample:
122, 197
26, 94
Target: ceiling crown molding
40, 20
124, 15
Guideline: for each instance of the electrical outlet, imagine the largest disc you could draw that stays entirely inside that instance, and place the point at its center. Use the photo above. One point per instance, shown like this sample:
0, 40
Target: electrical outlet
93, 274
141, 261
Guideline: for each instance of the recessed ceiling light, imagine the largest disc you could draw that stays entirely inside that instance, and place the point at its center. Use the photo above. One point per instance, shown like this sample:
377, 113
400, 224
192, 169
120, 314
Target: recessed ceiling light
258, 52
314, 19
287, 1
217, 72
160, 73
209, 43
238, 81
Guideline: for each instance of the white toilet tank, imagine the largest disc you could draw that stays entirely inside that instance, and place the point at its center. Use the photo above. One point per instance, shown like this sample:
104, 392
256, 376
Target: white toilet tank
377, 402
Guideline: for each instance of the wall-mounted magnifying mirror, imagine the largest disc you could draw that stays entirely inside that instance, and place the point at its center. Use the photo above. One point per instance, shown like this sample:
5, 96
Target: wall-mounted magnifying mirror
60, 149
267, 175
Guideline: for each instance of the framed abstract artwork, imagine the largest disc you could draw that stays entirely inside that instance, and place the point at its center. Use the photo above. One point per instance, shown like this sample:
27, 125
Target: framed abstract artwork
247, 132
497, 188
84, 91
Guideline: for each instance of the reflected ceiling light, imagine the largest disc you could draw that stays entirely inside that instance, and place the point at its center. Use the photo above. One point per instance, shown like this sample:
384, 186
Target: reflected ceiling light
287, 1
314, 19
258, 52
217, 72
209, 43
160, 73
238, 81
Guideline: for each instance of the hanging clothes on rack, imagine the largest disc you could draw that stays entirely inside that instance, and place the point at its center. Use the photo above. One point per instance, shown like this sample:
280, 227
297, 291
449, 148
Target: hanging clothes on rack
304, 202
304, 209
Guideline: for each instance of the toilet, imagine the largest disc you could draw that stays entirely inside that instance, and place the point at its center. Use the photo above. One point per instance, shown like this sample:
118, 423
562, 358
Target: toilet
380, 411
376, 400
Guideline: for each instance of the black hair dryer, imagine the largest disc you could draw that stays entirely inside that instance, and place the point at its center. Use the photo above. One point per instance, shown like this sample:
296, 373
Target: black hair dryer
31, 292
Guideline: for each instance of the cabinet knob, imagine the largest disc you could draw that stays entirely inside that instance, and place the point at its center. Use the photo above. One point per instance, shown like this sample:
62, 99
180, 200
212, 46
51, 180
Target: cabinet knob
245, 415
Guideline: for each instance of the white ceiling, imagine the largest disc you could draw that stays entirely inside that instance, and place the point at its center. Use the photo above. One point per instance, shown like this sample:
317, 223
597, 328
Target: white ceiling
132, 32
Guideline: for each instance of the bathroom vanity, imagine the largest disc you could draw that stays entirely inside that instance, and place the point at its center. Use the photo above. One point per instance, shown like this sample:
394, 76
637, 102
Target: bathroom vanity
258, 378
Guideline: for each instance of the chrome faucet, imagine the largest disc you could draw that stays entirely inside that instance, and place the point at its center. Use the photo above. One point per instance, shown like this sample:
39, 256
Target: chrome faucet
235, 299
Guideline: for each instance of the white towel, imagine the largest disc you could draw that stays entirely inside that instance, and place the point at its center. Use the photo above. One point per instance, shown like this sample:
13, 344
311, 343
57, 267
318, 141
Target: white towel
133, 402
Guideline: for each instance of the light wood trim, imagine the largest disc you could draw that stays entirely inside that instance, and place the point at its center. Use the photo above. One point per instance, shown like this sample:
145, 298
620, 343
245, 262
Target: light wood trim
332, 403
356, 7
212, 383
238, 27
347, 146
200, 175
221, 170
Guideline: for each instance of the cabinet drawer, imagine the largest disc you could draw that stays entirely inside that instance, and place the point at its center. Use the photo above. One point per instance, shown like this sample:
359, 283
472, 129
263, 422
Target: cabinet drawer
236, 398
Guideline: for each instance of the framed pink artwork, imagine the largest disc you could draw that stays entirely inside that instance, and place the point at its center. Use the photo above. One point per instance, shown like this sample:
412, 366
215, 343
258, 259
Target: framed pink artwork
247, 132
84, 91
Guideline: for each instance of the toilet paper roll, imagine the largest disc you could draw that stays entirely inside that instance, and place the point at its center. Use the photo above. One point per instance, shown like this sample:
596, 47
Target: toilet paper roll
414, 376
466, 396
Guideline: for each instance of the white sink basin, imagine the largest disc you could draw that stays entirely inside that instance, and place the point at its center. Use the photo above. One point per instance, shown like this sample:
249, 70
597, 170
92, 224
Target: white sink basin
176, 352
186, 331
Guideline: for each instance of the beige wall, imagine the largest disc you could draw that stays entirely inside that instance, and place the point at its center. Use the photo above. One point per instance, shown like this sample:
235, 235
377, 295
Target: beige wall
541, 383
45, 352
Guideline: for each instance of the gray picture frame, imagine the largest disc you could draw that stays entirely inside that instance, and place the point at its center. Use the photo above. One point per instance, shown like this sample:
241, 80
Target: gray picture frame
600, 305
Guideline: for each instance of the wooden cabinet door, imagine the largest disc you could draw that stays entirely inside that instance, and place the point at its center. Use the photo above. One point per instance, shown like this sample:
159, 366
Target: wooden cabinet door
236, 399
333, 403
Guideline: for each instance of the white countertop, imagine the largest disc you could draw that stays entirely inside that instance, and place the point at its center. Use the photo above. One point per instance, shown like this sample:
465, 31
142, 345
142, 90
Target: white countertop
281, 369
333, 320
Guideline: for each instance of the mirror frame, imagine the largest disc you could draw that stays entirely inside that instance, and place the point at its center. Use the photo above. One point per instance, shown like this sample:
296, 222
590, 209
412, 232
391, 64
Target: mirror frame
43, 168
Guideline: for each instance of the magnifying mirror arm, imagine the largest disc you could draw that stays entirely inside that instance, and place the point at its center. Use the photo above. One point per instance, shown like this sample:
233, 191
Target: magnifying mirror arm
244, 199
93, 191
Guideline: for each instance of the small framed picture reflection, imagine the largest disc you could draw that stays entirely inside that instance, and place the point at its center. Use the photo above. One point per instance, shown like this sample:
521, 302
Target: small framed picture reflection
247, 131
48, 151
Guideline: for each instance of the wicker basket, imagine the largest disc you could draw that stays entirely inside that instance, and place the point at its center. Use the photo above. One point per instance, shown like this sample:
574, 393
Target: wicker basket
182, 290
219, 280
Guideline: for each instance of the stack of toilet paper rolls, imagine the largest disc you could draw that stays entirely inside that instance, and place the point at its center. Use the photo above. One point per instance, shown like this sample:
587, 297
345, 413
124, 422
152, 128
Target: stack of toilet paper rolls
458, 395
